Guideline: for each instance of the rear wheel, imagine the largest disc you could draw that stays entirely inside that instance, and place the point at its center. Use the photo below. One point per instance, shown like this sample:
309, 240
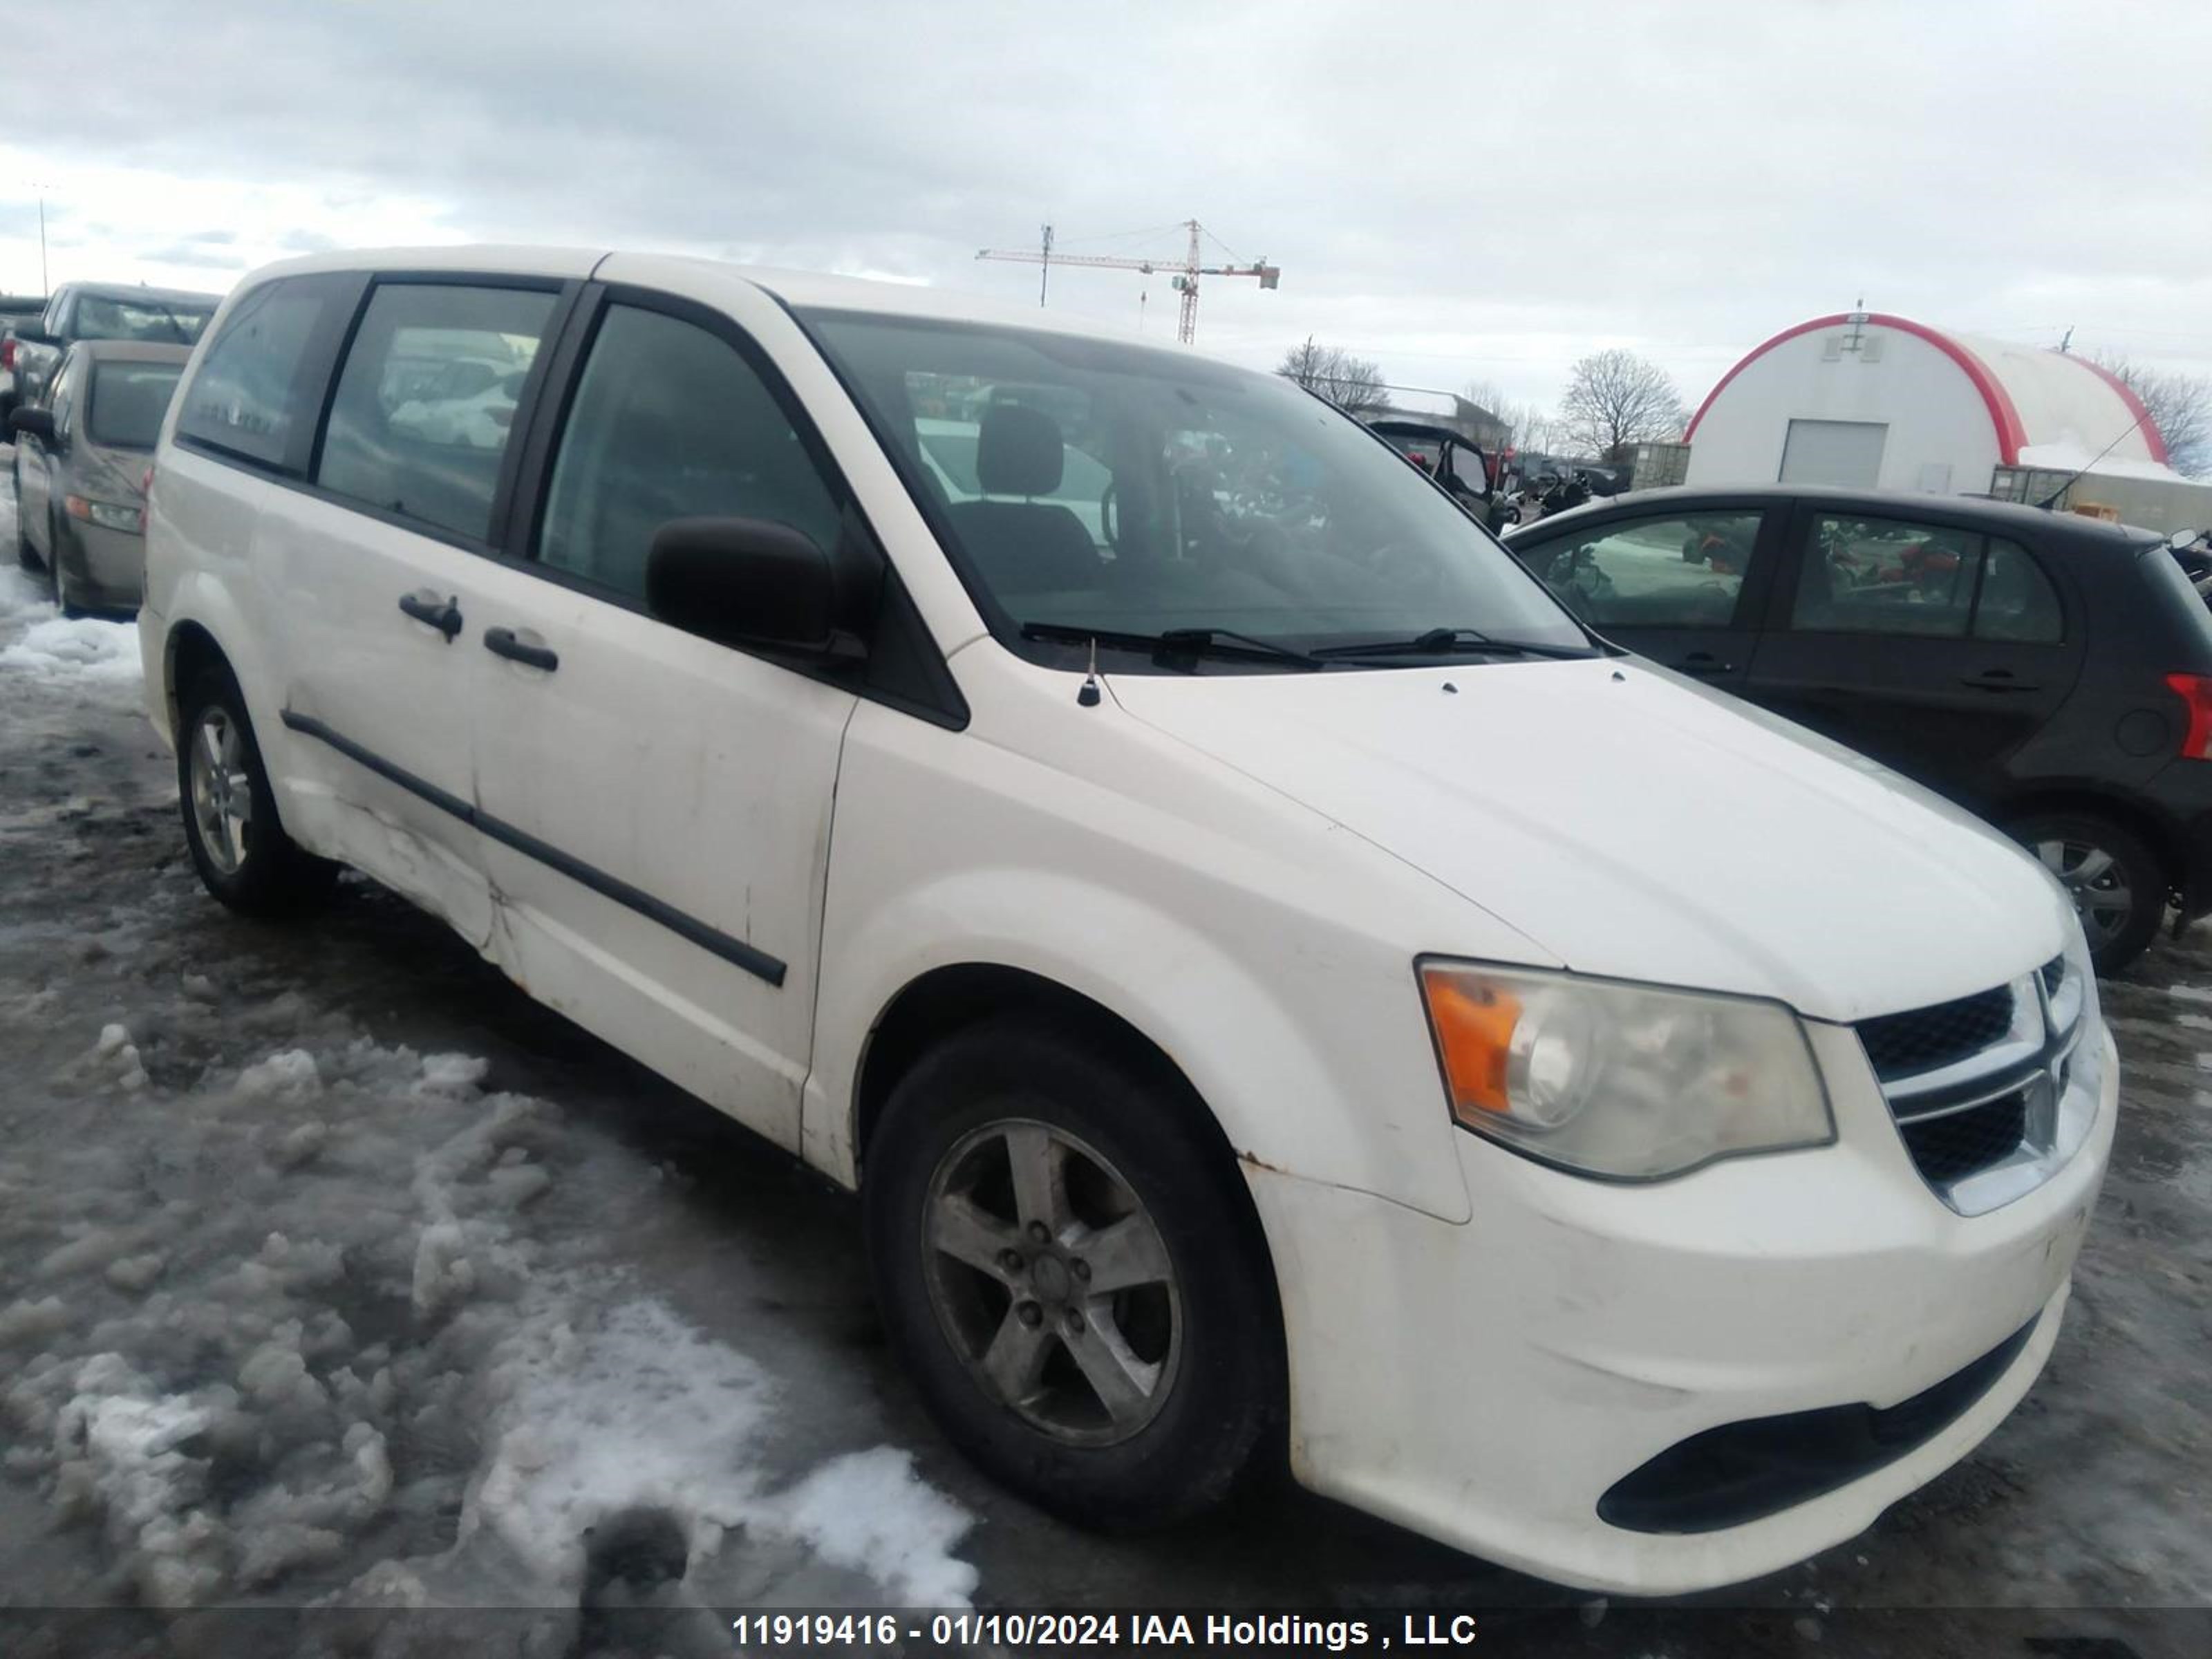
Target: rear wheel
1070, 1271
2116, 884
244, 857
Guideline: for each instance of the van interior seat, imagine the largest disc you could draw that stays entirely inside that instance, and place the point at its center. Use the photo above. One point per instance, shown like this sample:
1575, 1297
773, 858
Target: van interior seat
1025, 546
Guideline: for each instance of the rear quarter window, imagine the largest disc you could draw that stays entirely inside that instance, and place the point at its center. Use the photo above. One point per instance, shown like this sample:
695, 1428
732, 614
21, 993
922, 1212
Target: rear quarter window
251, 395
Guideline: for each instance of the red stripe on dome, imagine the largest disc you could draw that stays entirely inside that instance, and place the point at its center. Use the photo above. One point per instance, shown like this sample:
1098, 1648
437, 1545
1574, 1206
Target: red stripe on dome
2152, 437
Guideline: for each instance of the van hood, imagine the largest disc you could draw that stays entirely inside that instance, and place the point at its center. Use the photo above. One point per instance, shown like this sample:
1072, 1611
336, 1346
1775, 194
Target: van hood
1639, 826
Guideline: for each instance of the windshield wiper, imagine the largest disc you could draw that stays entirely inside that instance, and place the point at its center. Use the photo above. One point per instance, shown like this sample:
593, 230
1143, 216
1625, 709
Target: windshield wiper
1177, 641
1437, 641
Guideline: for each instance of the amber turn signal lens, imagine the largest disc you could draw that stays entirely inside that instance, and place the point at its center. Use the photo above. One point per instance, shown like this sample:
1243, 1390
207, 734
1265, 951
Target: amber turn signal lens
1474, 1025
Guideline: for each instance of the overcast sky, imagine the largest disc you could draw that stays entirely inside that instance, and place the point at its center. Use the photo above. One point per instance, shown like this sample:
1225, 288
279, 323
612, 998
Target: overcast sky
1456, 191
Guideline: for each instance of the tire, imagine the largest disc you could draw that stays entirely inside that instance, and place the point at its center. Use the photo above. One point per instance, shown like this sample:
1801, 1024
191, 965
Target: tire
2118, 882
1198, 1319
248, 862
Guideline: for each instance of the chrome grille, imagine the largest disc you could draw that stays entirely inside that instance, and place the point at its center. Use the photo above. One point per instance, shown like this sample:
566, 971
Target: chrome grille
1950, 1148
1975, 1083
1900, 1045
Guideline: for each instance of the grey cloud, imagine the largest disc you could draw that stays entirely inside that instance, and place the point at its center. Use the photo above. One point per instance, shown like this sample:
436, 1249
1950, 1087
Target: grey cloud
1686, 184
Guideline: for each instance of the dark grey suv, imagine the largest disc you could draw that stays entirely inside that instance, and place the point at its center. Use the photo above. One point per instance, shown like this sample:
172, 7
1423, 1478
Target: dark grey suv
103, 310
2050, 673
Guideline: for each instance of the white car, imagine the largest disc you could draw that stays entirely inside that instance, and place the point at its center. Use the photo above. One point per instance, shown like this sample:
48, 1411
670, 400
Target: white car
1268, 970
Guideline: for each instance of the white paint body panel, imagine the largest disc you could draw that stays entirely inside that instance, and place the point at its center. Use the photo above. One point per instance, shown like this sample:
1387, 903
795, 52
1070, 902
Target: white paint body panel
1244, 868
1637, 826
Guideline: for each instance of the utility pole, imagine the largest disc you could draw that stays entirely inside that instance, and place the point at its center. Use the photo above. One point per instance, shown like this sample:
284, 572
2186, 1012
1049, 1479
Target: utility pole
1044, 262
46, 286
1185, 277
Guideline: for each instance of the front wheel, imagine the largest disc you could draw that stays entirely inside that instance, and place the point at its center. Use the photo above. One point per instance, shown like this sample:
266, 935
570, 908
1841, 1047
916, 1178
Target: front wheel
2116, 884
1073, 1275
244, 857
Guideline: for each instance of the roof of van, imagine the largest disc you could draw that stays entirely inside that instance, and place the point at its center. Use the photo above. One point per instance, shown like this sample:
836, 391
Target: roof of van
800, 289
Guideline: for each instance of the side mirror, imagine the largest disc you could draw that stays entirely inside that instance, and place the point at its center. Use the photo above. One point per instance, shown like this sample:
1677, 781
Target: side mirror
33, 333
753, 582
36, 422
2183, 538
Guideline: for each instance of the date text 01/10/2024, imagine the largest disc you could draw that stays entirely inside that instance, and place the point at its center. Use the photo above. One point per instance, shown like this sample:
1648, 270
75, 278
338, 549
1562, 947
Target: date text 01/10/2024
1102, 1629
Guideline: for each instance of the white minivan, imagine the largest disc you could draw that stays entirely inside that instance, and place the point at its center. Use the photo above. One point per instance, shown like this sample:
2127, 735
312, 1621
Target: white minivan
1281, 988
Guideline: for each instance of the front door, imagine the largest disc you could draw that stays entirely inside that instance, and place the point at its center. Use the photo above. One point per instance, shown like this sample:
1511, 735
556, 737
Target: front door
1671, 586
656, 806
1929, 647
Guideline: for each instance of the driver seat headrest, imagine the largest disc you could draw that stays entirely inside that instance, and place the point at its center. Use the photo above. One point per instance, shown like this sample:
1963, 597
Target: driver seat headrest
1019, 451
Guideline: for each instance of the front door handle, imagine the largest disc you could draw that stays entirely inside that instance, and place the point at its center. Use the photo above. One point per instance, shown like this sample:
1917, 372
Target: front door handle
502, 642
1704, 662
1998, 679
444, 615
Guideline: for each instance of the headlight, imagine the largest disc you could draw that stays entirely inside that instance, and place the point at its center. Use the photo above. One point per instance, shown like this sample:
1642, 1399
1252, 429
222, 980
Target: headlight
110, 515
1623, 1081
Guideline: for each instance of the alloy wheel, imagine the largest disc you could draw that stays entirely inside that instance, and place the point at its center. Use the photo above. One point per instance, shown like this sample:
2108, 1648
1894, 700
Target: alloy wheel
222, 792
1052, 1282
2096, 882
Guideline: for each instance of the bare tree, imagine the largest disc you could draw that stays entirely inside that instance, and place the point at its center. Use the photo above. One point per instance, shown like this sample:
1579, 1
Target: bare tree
1528, 426
1615, 398
1353, 384
2181, 404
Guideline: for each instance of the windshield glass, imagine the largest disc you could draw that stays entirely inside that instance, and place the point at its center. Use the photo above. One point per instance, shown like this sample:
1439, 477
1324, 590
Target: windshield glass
1089, 485
128, 402
177, 322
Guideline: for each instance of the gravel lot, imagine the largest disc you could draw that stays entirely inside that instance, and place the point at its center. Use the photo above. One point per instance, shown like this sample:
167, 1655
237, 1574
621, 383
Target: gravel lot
332, 1269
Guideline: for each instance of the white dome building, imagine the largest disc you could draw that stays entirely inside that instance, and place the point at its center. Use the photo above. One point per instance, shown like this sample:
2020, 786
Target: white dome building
1866, 400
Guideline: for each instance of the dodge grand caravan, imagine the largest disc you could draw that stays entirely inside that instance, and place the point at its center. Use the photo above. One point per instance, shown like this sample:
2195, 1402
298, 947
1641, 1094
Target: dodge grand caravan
1263, 964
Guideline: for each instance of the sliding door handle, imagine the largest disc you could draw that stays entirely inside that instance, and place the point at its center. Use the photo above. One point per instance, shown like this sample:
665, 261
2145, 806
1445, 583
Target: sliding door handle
444, 615
502, 642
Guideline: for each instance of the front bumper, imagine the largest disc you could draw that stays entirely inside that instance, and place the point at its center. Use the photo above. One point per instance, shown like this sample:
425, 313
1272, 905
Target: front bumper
1489, 1383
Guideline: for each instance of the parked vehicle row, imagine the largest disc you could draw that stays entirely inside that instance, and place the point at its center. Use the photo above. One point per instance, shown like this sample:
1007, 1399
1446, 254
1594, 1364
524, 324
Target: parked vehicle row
17, 310
80, 471
1277, 980
93, 374
2050, 673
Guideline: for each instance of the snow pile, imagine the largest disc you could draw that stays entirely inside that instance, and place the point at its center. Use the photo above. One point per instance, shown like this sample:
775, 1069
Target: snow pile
870, 1511
326, 1326
23, 594
2070, 454
639, 1411
79, 646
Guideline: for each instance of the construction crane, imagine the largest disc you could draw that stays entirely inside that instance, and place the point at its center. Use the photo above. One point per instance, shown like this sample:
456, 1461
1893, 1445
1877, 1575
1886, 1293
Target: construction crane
1186, 275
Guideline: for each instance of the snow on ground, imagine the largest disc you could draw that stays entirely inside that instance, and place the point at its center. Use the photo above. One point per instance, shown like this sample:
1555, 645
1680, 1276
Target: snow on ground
338, 1309
293, 1315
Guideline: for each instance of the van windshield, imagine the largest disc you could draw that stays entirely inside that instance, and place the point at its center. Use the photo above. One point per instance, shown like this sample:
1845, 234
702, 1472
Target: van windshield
172, 321
1087, 486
